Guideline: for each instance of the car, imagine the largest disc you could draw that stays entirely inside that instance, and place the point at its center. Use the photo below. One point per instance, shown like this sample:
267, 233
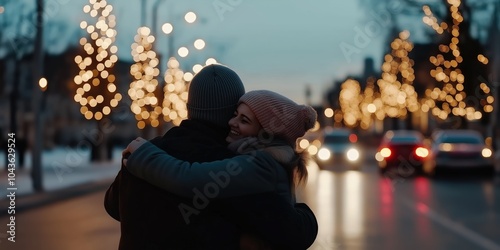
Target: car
339, 146
402, 152
460, 150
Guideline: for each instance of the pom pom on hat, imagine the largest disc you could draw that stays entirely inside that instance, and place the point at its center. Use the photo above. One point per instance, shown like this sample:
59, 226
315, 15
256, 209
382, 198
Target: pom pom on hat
310, 116
279, 116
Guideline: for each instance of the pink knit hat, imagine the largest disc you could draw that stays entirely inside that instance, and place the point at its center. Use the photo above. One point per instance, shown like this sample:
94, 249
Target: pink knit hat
280, 116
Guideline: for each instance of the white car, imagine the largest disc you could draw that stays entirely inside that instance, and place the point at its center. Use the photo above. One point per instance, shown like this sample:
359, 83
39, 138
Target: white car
459, 149
339, 146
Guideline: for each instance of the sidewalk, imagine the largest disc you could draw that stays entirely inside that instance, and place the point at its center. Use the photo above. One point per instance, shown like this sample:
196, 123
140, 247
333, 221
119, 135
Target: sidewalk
66, 173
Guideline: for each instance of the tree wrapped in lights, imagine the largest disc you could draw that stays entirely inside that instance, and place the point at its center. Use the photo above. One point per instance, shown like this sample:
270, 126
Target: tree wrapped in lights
396, 85
175, 93
460, 73
145, 104
350, 99
96, 91
371, 105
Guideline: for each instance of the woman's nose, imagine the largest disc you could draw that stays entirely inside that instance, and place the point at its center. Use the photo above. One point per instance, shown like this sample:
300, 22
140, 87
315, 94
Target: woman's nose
232, 122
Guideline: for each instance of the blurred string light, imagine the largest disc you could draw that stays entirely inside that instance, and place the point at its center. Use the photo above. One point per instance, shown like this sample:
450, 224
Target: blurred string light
451, 98
96, 90
210, 61
167, 28
329, 112
190, 17
176, 80
350, 99
145, 104
183, 51
199, 44
397, 93
197, 68
43, 83
175, 93
371, 105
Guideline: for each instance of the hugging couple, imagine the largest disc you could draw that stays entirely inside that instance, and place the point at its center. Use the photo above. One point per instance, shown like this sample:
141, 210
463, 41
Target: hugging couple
223, 179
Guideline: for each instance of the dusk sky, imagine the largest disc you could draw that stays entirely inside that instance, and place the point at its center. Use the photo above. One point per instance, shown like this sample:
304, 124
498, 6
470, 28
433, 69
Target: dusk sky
280, 45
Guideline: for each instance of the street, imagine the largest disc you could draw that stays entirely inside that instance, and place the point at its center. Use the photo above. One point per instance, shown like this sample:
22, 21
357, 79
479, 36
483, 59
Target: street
362, 210
355, 210
80, 223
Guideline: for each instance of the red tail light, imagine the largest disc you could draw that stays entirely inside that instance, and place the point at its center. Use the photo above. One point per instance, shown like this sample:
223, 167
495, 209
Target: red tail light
353, 138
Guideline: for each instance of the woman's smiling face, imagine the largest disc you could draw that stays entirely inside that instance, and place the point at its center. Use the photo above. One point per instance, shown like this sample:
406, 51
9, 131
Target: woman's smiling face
243, 124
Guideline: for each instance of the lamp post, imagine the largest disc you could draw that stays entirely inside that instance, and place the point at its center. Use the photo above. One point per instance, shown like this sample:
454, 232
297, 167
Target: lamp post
36, 171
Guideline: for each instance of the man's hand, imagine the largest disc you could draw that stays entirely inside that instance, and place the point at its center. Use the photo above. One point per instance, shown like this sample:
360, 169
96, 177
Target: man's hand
132, 146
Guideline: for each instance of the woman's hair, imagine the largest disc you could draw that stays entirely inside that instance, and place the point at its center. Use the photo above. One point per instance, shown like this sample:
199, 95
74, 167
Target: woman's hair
300, 175
294, 163
297, 171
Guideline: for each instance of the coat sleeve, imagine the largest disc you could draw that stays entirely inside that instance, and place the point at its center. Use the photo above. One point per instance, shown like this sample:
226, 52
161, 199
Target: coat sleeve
240, 175
273, 219
298, 226
111, 198
308, 224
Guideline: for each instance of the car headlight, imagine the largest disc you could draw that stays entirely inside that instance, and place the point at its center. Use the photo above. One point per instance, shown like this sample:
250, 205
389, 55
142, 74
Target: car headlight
486, 152
379, 157
352, 154
324, 154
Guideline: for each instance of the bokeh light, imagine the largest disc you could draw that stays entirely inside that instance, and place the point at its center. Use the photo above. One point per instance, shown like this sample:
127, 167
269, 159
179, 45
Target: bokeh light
96, 82
450, 99
167, 28
174, 106
190, 17
145, 104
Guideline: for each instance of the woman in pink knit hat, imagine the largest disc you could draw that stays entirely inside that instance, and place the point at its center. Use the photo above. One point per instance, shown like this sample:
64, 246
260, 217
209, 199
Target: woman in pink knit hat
268, 121
263, 131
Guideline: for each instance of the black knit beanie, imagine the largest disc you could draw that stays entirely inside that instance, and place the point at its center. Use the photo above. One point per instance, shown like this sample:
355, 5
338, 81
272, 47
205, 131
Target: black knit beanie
213, 94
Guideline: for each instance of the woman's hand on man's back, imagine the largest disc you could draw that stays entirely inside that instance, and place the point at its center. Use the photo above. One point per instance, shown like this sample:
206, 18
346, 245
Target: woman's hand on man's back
131, 147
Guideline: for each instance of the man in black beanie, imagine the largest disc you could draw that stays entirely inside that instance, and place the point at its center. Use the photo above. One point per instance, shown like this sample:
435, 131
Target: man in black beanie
151, 218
